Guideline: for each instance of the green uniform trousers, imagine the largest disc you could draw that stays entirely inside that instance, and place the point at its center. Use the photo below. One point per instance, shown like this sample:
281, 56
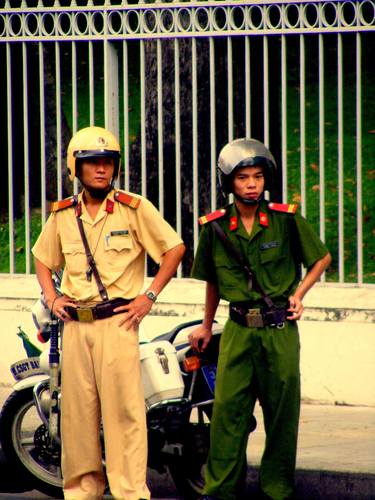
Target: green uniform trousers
263, 364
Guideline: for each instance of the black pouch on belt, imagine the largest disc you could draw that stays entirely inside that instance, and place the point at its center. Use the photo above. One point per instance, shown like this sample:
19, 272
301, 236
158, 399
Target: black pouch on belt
274, 317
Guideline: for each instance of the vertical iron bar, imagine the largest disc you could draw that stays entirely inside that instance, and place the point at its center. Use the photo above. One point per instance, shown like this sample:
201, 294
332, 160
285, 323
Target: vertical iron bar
284, 124
302, 76
322, 232
58, 119
74, 88
91, 84
340, 118
266, 103
42, 119
26, 159
10, 159
195, 140
159, 59
143, 119
359, 158
230, 88
178, 140
125, 78
247, 87
74, 102
213, 123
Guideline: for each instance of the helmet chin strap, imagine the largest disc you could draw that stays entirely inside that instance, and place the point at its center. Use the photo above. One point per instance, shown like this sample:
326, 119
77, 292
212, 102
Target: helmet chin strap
250, 202
97, 194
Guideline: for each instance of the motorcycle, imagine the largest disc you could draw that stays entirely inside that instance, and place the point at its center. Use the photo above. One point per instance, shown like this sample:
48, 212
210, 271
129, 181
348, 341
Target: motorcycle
178, 387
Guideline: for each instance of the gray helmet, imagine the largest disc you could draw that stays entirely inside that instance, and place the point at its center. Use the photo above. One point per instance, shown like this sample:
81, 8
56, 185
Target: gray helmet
244, 153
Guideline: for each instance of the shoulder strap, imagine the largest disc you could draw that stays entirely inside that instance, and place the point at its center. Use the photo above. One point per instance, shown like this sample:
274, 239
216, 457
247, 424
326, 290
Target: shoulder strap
91, 261
127, 199
56, 206
212, 216
234, 252
286, 208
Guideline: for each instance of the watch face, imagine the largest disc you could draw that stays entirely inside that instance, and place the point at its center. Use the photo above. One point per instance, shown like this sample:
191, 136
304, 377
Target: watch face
151, 295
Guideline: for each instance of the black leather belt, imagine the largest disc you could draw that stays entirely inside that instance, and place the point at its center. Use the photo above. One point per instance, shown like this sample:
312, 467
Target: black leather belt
258, 318
101, 310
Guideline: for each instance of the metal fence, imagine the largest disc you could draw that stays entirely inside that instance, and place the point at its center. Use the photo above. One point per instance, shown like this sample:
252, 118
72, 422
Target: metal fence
176, 81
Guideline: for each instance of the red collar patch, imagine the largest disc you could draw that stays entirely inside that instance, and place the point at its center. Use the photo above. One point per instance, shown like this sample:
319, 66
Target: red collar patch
233, 223
79, 209
263, 219
109, 206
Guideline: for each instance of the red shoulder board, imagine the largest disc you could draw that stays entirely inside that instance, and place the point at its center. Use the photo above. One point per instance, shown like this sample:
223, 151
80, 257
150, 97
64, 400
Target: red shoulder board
62, 204
286, 208
212, 216
127, 199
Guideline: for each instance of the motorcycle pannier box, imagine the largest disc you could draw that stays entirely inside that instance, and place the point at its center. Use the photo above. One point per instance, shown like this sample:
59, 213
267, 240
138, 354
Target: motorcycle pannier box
161, 375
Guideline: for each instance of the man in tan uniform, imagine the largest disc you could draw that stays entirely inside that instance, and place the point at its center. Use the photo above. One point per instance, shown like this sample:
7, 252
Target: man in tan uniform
101, 377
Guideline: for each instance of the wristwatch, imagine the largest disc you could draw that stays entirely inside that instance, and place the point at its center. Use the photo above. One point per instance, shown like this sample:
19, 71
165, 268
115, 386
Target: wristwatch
151, 295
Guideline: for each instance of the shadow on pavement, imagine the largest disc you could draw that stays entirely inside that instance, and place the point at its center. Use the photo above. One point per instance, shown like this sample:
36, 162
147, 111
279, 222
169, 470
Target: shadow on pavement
323, 485
9, 483
310, 485
14, 487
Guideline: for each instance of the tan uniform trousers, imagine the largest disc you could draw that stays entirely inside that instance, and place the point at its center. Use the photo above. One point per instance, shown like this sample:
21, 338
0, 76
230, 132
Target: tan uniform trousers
101, 379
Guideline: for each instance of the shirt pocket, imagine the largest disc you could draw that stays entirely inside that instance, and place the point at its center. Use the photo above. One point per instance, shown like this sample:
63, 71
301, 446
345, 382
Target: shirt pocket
75, 257
119, 243
119, 253
273, 267
229, 273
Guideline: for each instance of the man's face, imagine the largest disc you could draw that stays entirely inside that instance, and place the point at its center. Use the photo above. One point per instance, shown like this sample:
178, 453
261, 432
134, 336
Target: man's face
248, 182
97, 172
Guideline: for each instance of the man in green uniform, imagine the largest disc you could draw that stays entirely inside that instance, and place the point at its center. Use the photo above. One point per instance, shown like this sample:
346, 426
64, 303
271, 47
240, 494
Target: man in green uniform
259, 350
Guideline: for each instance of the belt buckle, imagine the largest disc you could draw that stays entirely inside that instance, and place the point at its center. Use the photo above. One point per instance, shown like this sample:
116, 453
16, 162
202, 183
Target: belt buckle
85, 314
254, 318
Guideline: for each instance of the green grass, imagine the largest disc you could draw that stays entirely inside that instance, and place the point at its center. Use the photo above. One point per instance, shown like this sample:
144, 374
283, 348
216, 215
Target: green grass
331, 174
331, 170
19, 242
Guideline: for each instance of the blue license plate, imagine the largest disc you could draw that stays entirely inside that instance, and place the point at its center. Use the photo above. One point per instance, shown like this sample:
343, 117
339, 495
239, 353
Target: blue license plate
209, 373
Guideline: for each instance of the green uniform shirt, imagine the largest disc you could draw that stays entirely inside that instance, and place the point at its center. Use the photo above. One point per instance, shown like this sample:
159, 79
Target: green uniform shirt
275, 250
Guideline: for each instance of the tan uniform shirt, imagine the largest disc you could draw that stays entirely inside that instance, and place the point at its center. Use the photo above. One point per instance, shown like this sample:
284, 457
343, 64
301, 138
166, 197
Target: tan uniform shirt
118, 241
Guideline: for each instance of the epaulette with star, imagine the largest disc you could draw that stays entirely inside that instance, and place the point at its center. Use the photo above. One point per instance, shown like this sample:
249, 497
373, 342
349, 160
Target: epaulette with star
286, 208
212, 216
127, 199
56, 206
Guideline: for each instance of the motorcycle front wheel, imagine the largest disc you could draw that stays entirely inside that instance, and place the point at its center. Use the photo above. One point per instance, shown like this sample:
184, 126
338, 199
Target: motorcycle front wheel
27, 446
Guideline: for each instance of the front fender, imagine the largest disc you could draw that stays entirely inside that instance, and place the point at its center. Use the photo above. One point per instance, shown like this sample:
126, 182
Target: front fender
30, 382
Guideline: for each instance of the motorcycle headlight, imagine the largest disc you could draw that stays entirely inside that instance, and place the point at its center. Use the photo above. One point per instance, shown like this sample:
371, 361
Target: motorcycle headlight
40, 313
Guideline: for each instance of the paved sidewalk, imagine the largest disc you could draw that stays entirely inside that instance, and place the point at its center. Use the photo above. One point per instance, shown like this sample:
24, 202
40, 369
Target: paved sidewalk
336, 453
331, 438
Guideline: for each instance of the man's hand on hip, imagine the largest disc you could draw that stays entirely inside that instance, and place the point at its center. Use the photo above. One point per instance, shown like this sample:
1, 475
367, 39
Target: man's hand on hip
135, 311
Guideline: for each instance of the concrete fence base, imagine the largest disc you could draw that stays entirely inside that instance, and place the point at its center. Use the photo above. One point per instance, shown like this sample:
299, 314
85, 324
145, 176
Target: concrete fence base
337, 333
